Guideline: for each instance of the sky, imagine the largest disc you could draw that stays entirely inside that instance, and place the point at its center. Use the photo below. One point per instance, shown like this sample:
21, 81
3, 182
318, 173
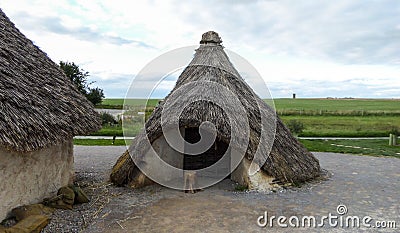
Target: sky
315, 49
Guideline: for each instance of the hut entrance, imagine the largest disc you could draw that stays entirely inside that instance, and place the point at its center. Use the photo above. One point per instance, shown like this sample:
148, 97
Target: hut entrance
208, 158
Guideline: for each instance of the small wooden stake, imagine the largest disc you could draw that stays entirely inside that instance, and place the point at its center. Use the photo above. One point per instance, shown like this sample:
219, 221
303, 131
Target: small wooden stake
390, 139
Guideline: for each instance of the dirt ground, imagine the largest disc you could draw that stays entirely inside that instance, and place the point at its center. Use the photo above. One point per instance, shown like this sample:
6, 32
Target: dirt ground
367, 186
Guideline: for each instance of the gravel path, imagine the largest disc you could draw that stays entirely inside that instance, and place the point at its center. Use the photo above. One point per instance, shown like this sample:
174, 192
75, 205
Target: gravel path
366, 185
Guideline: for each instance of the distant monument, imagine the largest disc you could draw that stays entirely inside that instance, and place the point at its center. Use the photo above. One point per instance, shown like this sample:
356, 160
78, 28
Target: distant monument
294, 95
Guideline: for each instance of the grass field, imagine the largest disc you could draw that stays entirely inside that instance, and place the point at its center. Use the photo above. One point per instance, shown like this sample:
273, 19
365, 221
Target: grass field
346, 126
377, 147
113, 102
119, 103
321, 117
373, 147
117, 131
302, 106
342, 117
344, 106
99, 142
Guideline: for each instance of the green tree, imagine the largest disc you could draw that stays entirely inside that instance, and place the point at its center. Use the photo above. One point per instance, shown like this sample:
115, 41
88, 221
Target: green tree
79, 78
95, 95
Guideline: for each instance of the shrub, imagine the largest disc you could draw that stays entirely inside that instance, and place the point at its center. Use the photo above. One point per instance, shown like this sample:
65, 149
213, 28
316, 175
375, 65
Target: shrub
395, 131
241, 188
107, 118
295, 126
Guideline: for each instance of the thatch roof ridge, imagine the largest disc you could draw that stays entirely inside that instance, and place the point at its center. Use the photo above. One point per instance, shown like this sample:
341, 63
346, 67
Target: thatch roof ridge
39, 105
288, 161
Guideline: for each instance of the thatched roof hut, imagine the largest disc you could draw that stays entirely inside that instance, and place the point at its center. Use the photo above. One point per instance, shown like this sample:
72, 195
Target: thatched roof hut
40, 112
284, 160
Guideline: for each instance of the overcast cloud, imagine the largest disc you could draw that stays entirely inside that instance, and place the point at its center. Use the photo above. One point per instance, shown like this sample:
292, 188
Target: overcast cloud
312, 48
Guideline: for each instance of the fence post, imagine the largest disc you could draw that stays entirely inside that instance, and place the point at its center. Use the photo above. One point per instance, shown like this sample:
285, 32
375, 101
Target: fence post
390, 139
394, 139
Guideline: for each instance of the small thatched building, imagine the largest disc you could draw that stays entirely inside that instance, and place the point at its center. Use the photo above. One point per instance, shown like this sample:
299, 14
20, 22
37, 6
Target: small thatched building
40, 112
285, 160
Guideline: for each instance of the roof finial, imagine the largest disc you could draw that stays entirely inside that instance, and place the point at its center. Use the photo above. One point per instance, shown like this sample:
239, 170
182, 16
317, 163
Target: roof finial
211, 37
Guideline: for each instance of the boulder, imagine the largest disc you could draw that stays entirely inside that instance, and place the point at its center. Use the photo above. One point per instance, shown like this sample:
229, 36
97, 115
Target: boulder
80, 196
30, 224
23, 212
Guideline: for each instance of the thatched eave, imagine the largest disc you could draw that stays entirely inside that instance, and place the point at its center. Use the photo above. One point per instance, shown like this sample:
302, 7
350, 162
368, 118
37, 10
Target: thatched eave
39, 105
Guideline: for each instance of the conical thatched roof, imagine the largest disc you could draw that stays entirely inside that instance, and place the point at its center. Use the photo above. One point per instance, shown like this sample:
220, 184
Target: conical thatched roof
39, 105
288, 161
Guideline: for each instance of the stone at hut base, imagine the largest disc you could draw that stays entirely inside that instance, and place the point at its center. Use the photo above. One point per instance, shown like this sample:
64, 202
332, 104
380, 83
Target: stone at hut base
30, 224
80, 196
23, 212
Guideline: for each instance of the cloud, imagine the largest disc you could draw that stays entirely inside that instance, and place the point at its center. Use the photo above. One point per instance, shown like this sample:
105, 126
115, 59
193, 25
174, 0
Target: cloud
116, 87
312, 48
341, 88
349, 32
55, 25
119, 85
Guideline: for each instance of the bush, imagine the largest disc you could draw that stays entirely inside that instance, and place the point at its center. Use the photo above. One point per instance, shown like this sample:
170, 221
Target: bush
95, 95
395, 131
295, 126
241, 188
107, 118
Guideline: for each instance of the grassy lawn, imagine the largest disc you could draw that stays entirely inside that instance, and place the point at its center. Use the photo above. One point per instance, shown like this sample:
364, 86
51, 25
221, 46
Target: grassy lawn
315, 126
119, 103
346, 126
363, 147
342, 117
117, 131
306, 104
337, 106
113, 102
321, 118
110, 131
99, 142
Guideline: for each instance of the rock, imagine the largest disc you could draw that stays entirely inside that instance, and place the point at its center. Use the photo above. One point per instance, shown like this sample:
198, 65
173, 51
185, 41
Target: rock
30, 224
22, 212
64, 200
68, 195
80, 196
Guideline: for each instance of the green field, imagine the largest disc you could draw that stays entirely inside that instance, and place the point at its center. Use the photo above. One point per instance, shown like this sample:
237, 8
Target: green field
342, 117
99, 142
378, 147
113, 102
308, 106
343, 106
346, 126
119, 103
151, 102
117, 130
321, 117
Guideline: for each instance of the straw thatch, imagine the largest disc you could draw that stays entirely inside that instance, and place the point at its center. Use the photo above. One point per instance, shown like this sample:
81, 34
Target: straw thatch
288, 161
39, 105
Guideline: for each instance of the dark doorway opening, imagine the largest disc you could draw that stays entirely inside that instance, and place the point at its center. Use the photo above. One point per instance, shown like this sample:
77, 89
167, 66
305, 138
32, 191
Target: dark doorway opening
208, 158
